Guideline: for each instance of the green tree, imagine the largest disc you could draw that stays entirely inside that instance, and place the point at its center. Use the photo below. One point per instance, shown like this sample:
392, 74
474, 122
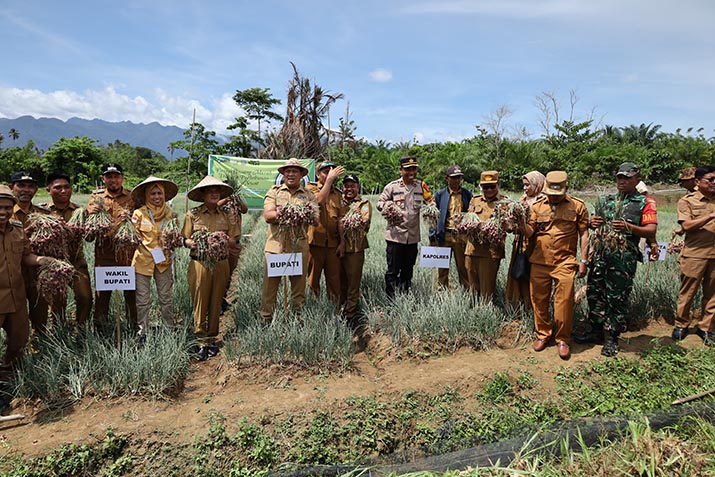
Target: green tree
79, 157
258, 104
14, 135
199, 148
26, 158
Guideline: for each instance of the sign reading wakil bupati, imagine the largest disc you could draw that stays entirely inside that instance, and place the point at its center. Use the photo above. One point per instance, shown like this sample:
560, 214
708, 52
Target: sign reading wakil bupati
284, 264
114, 278
435, 257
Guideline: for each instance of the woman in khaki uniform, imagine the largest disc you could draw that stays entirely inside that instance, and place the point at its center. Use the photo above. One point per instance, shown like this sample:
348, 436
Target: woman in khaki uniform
207, 284
482, 259
150, 260
517, 291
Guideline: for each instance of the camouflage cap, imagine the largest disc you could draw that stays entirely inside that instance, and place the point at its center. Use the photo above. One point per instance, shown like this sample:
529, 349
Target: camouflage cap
687, 174
628, 169
556, 183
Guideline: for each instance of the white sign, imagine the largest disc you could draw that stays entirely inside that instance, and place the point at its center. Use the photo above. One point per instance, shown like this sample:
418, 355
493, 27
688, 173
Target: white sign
435, 257
114, 278
663, 249
284, 264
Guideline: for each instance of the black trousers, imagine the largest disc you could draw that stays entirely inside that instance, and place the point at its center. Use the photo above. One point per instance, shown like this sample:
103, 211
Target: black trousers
401, 260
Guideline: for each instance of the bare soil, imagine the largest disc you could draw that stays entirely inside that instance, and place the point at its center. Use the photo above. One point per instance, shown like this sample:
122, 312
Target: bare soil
255, 392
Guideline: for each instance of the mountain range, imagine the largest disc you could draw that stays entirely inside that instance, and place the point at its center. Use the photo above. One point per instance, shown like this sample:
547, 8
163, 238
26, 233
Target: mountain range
46, 131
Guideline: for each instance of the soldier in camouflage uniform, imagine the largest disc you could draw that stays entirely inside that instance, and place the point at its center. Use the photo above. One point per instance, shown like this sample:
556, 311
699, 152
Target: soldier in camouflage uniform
611, 272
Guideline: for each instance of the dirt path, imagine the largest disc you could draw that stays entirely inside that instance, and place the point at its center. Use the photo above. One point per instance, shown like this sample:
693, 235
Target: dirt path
213, 385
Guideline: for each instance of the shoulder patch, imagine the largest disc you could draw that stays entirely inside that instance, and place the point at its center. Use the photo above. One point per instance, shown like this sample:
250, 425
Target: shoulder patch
195, 210
425, 187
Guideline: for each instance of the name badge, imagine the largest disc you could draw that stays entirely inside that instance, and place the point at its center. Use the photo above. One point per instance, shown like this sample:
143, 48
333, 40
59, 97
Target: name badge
435, 257
158, 255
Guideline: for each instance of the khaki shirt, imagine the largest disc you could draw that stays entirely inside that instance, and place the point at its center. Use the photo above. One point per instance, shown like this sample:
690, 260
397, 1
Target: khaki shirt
363, 207
409, 199
454, 208
325, 234
485, 210
201, 218
557, 230
150, 233
698, 243
22, 216
104, 252
76, 248
276, 240
14, 246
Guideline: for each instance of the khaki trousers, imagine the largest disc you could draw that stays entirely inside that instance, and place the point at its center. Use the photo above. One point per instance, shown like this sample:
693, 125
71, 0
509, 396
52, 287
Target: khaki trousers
350, 276
17, 328
269, 293
457, 245
207, 289
541, 280
164, 282
482, 274
695, 272
324, 258
82, 290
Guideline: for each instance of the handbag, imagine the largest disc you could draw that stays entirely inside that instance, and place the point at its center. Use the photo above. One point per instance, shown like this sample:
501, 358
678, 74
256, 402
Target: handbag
520, 265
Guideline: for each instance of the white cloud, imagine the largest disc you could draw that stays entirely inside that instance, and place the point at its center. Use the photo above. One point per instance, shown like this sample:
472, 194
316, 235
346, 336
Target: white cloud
110, 105
381, 75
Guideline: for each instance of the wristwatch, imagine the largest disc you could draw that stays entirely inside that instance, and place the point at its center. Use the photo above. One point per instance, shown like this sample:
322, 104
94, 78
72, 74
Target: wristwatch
585, 262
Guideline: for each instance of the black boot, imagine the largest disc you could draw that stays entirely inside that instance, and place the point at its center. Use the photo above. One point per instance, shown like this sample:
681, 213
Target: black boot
610, 344
594, 335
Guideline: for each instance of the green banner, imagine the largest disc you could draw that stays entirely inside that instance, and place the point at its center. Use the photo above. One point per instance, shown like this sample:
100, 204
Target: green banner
254, 176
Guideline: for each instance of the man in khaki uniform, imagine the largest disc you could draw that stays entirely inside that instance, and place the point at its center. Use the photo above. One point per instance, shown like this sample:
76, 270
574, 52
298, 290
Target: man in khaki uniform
557, 224
290, 192
483, 259
355, 243
452, 201
59, 186
24, 186
696, 214
408, 194
118, 203
324, 238
14, 252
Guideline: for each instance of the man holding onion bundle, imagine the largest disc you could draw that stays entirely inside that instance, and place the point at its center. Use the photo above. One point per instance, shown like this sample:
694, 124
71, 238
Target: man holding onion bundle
117, 201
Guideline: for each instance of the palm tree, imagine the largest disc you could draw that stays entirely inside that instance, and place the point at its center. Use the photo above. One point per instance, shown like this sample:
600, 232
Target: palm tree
644, 134
14, 135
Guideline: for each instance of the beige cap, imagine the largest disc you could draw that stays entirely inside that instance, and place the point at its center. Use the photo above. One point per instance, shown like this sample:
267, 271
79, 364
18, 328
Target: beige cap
293, 162
170, 189
6, 193
197, 193
489, 177
556, 183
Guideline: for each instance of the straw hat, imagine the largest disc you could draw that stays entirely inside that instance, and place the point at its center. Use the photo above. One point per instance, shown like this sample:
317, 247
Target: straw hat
170, 189
293, 162
197, 194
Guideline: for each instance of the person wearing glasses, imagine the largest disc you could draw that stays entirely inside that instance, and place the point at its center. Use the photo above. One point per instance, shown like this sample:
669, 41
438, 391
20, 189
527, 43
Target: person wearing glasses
482, 259
696, 214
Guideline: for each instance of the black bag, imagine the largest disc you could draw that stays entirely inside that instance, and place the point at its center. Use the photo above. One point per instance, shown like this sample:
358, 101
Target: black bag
520, 265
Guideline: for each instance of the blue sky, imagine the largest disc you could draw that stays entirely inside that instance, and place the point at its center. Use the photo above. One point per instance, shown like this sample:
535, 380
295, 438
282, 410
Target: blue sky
428, 70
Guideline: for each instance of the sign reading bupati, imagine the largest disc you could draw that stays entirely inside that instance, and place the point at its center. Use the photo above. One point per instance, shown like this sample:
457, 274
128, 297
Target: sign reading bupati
114, 278
435, 257
284, 264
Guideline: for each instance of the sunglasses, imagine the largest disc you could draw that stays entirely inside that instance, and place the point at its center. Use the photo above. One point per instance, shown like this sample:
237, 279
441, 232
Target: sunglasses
488, 186
709, 179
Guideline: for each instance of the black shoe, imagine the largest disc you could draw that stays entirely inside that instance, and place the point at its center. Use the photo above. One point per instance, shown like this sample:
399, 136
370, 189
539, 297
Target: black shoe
707, 336
203, 353
680, 333
212, 350
593, 336
610, 345
225, 305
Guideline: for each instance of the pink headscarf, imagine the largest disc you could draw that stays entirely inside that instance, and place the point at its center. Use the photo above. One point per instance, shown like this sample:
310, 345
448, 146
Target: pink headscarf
537, 180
